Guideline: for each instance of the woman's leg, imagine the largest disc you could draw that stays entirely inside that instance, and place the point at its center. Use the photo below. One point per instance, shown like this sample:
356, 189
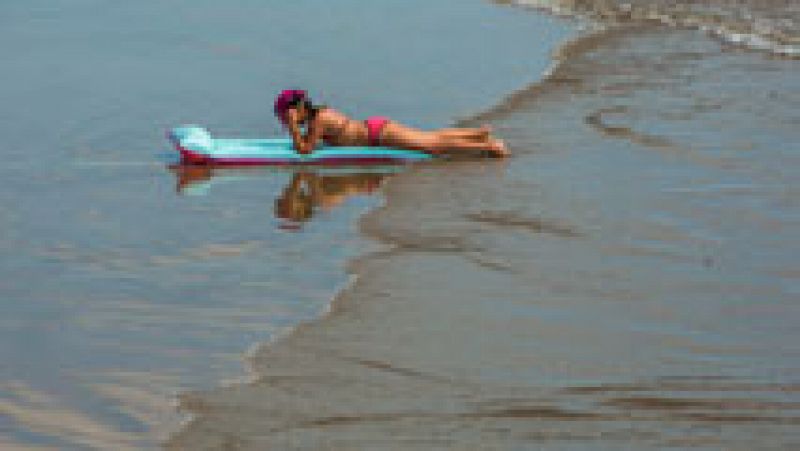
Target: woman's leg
476, 134
449, 144
398, 135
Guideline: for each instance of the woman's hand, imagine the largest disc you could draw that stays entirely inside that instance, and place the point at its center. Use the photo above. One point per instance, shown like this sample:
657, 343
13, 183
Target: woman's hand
303, 143
303, 147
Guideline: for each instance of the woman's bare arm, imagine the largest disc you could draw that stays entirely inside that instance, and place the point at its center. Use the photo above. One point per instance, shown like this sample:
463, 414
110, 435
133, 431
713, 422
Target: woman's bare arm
304, 144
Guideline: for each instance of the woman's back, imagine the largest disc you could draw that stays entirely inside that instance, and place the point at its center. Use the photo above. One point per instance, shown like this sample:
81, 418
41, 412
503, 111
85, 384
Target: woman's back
340, 130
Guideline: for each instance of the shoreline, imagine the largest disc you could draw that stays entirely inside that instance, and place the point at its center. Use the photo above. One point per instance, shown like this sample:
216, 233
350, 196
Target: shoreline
356, 268
353, 267
535, 302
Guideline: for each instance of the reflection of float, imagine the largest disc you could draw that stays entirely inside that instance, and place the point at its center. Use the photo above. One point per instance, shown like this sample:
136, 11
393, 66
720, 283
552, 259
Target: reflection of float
309, 189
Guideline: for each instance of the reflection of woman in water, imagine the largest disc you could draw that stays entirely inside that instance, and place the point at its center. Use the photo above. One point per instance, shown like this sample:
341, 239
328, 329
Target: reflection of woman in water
308, 191
300, 198
322, 124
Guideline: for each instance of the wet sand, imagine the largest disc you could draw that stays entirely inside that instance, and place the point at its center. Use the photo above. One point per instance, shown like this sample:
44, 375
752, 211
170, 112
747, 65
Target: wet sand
628, 279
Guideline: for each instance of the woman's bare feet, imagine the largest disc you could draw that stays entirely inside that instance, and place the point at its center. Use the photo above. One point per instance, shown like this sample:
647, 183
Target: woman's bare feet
498, 149
502, 149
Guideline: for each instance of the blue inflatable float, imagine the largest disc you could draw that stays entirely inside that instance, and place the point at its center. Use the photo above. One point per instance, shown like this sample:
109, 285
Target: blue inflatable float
196, 146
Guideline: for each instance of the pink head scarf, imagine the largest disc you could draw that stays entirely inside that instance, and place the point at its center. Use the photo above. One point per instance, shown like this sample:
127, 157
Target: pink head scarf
285, 99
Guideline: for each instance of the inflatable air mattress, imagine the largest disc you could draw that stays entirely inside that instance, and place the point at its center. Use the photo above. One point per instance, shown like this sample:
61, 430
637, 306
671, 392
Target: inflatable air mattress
197, 146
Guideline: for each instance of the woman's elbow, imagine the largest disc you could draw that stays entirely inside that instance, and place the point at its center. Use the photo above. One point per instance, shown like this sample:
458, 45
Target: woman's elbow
311, 145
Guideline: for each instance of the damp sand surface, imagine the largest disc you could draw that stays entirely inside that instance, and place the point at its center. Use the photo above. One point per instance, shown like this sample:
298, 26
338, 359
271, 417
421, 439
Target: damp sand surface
629, 279
124, 282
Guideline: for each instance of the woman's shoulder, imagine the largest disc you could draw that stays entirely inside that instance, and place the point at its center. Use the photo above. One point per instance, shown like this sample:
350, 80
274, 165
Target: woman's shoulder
327, 113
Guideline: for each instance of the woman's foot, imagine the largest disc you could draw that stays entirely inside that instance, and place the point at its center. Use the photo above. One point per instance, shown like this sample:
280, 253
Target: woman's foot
498, 149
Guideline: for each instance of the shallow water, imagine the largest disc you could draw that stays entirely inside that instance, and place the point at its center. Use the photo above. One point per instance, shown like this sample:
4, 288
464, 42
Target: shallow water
124, 282
628, 279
